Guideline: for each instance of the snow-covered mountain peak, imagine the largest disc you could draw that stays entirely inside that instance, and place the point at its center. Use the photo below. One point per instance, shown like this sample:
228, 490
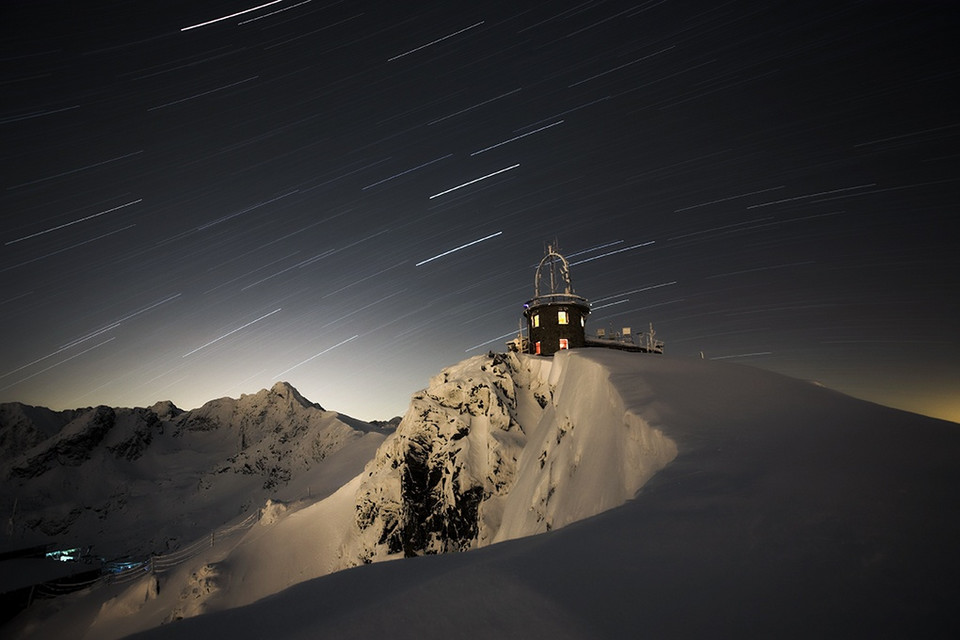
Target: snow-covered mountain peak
289, 394
280, 407
165, 410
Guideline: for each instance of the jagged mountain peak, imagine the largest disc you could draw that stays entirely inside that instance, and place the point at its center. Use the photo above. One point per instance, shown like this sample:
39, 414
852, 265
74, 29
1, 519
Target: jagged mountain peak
288, 393
166, 410
280, 394
282, 403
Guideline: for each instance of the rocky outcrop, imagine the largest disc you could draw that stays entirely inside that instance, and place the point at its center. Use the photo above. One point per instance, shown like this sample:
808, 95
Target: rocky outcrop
73, 446
23, 427
456, 448
132, 441
501, 446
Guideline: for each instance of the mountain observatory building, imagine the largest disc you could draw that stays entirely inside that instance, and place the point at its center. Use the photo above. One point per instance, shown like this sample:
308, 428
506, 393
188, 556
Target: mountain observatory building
556, 316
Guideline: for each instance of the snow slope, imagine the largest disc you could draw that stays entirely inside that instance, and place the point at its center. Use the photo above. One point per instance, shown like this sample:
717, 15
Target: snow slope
788, 511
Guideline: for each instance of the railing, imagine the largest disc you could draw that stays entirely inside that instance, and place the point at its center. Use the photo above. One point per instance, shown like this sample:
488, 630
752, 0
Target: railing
558, 298
156, 564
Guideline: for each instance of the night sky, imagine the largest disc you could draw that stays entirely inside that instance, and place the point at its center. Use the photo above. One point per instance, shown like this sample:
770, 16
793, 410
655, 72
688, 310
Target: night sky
197, 210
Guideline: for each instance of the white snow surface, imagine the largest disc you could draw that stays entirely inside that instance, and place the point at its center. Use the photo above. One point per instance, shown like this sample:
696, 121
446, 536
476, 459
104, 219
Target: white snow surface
670, 498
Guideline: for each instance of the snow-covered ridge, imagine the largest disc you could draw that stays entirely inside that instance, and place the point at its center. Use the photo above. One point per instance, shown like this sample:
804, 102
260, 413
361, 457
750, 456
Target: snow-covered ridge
589, 452
503, 446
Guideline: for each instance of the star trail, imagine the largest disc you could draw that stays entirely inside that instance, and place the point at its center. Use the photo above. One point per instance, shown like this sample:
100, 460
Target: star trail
200, 197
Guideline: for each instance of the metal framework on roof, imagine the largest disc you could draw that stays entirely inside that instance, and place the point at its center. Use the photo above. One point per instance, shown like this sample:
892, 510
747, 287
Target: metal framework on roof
558, 273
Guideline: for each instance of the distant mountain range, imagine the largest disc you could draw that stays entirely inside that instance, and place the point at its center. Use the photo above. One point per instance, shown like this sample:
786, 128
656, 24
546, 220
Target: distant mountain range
146, 480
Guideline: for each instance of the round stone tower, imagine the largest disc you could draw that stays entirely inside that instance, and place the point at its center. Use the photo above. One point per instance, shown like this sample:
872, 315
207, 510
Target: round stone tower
556, 315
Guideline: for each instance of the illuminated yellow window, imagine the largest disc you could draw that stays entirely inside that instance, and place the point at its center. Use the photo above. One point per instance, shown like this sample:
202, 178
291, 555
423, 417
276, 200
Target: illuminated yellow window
564, 343
536, 320
562, 317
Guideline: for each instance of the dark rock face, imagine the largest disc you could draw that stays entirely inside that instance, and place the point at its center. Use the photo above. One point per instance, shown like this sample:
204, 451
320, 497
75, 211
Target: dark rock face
440, 515
125, 433
72, 447
390, 424
145, 424
454, 450
23, 427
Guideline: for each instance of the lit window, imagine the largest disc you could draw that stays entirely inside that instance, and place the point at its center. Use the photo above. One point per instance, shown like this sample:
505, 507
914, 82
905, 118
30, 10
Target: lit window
562, 317
536, 320
564, 343
582, 321
538, 347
